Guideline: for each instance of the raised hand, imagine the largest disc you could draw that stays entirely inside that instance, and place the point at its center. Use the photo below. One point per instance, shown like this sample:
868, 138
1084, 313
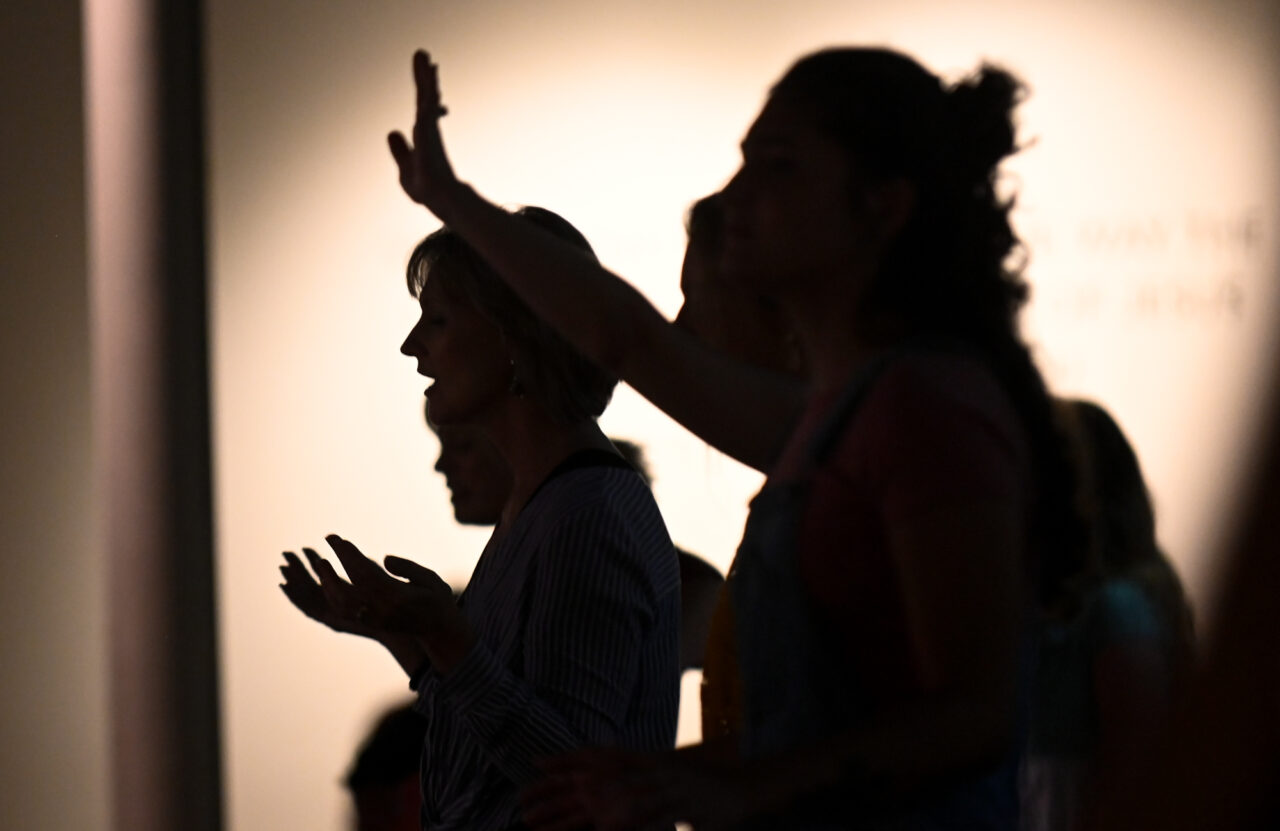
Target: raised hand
425, 173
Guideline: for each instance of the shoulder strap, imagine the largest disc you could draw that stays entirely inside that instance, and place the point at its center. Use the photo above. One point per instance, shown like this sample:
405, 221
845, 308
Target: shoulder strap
832, 428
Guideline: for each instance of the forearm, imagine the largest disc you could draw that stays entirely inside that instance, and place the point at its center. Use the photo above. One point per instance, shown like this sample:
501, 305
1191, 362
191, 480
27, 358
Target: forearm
408, 653
742, 410
592, 308
891, 762
506, 717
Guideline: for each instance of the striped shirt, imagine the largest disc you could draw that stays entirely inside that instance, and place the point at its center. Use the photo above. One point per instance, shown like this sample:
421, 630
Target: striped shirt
576, 613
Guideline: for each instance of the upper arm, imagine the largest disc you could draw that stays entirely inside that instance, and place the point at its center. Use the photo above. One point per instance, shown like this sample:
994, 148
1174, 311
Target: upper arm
960, 572
953, 481
743, 411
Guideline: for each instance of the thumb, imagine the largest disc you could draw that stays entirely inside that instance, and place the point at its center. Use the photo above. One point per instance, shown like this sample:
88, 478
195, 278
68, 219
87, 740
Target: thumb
416, 574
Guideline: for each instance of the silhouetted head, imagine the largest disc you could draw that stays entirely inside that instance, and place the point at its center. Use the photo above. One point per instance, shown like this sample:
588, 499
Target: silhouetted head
1115, 494
865, 167
480, 342
478, 477
725, 315
383, 780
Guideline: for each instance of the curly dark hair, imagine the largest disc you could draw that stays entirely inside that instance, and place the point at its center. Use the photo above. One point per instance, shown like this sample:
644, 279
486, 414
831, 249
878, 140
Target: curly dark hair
954, 272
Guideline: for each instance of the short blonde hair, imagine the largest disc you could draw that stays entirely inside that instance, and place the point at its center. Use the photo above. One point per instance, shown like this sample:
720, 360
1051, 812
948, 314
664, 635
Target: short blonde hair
546, 366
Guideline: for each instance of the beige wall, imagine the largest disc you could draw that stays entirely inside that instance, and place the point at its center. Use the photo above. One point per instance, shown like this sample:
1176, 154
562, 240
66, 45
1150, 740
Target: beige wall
1148, 197
53, 711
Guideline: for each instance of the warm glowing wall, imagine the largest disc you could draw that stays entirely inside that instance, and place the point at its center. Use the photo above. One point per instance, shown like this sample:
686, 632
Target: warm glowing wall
1148, 197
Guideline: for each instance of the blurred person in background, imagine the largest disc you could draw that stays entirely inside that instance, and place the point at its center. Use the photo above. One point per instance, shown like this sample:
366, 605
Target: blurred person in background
383, 779
1115, 645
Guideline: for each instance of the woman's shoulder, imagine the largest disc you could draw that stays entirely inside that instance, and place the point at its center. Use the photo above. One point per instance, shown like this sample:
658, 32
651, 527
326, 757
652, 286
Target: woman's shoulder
940, 403
927, 404
607, 500
604, 520
616, 488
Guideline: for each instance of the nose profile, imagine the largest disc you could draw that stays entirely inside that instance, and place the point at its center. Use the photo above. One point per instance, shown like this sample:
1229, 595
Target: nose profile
412, 345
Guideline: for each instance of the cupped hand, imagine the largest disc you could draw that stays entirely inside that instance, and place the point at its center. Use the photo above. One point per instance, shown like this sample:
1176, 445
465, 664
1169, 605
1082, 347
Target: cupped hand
425, 172
608, 789
371, 602
332, 601
430, 610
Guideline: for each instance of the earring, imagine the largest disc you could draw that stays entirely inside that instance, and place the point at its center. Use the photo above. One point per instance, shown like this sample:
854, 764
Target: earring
515, 387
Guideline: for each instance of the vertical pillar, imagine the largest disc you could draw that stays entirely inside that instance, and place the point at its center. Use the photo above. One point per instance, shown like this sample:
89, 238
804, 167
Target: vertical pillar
150, 407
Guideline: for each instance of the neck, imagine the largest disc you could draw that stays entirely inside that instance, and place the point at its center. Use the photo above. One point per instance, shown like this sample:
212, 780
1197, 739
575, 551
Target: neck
533, 444
837, 336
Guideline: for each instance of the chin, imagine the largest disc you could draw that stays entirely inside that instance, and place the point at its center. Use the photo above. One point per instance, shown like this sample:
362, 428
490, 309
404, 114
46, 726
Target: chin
470, 517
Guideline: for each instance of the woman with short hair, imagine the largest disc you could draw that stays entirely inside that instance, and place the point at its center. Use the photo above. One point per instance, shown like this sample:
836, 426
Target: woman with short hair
567, 633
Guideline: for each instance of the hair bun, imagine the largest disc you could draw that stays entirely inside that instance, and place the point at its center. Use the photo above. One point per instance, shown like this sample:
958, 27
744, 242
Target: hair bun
981, 115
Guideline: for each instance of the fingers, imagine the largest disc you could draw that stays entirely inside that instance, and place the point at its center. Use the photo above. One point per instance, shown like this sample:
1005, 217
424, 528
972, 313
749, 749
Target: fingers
361, 570
302, 590
320, 566
293, 570
426, 78
297, 580
336, 590
400, 151
416, 574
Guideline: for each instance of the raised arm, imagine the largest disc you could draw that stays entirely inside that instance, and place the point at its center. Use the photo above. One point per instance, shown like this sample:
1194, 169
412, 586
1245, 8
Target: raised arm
741, 410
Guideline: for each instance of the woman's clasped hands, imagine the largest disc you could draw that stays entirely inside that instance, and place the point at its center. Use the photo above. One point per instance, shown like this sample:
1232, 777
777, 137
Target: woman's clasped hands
375, 603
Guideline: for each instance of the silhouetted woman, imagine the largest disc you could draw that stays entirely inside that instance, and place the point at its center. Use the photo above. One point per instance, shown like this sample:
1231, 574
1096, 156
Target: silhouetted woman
916, 482
567, 633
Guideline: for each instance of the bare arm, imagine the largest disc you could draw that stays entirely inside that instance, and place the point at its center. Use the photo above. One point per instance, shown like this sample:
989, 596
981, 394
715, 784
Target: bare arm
962, 580
741, 410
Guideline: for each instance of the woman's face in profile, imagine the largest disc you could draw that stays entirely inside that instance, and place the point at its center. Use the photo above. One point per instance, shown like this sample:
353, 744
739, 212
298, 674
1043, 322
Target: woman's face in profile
730, 318
477, 476
462, 351
788, 210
